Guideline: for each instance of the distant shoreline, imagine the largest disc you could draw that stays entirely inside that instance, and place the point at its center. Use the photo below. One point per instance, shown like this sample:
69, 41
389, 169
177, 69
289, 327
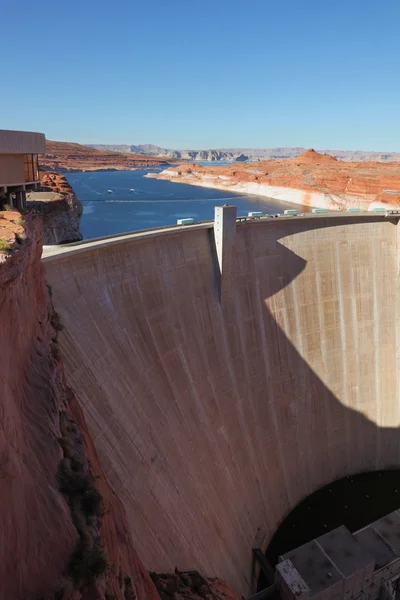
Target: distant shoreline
67, 170
328, 201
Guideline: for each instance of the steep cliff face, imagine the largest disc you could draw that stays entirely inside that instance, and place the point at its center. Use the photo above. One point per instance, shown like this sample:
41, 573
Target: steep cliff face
67, 156
63, 530
59, 208
37, 531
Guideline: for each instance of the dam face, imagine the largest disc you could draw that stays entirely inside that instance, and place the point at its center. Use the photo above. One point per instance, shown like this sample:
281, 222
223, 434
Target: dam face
215, 416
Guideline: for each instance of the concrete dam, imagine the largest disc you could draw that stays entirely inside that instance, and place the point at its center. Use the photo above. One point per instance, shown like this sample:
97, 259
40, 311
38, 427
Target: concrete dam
228, 371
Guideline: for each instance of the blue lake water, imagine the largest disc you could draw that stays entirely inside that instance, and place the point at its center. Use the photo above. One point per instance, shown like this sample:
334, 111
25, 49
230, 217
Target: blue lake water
153, 203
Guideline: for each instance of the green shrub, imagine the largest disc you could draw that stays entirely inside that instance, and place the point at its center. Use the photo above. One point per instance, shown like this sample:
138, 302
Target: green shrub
92, 502
71, 482
4, 245
129, 591
86, 564
77, 483
20, 238
56, 321
20, 221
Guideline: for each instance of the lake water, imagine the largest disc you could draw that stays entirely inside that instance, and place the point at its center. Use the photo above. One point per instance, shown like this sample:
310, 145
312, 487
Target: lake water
153, 203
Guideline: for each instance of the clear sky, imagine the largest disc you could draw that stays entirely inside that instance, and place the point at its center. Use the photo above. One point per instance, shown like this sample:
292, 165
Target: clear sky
204, 73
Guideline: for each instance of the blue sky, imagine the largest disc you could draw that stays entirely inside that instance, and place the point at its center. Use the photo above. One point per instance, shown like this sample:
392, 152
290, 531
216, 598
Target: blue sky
217, 73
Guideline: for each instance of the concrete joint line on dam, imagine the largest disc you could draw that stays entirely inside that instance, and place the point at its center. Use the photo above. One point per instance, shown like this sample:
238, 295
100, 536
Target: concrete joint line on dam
212, 425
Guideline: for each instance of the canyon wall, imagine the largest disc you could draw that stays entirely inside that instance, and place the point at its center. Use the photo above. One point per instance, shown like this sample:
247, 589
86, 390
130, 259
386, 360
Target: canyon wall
68, 156
252, 153
310, 179
59, 208
59, 538
296, 195
35, 519
214, 418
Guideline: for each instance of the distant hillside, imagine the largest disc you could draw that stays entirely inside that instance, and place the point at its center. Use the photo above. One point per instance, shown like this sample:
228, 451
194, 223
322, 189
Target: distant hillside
150, 149
250, 153
68, 156
309, 179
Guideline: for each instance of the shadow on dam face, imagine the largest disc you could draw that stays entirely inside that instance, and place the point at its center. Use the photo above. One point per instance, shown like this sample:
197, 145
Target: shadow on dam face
213, 420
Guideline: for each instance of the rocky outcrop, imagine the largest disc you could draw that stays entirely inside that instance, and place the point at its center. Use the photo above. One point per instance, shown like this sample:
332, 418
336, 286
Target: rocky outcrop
59, 208
12, 233
310, 179
67, 156
191, 585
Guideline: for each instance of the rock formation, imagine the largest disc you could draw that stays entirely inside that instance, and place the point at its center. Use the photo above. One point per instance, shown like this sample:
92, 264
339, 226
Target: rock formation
59, 207
252, 153
12, 233
311, 179
48, 463
66, 156
150, 149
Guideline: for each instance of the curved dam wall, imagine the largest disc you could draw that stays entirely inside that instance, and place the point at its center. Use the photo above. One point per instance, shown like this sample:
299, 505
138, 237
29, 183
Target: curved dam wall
213, 417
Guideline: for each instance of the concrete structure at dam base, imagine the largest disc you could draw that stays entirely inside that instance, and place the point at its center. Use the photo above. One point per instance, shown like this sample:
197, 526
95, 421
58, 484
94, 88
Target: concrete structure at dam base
339, 565
226, 377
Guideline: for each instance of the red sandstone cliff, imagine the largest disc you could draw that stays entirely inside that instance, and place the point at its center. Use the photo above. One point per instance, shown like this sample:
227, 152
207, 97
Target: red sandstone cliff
310, 178
45, 546
68, 156
63, 530
59, 208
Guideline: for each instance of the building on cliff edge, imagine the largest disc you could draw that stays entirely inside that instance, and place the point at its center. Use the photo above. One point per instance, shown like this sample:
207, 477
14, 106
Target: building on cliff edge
19, 167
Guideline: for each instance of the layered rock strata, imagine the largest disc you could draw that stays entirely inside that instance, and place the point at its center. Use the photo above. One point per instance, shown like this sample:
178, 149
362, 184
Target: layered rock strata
59, 208
311, 179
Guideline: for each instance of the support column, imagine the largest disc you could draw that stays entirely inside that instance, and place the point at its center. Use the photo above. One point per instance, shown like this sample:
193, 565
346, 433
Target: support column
20, 200
224, 236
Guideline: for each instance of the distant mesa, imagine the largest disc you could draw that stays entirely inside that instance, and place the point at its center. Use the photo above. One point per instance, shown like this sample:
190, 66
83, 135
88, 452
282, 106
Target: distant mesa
69, 156
310, 178
254, 154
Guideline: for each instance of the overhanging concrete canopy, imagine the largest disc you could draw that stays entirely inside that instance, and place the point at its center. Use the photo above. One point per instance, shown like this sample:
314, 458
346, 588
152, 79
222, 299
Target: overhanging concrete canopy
22, 142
